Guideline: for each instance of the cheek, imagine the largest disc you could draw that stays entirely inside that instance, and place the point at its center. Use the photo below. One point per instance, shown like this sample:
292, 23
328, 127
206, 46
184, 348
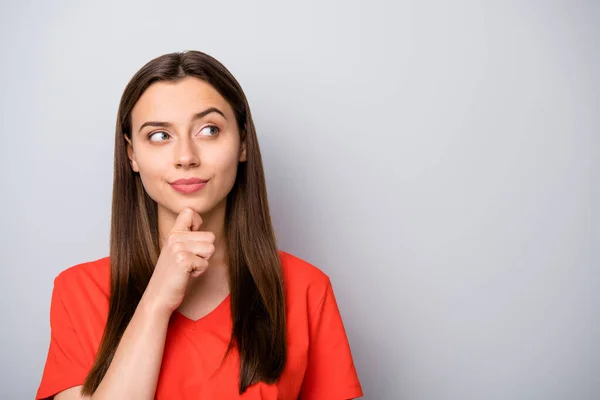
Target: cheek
151, 174
225, 163
150, 166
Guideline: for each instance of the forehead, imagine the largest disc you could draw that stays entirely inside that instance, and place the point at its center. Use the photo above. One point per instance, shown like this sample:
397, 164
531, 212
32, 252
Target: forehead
177, 101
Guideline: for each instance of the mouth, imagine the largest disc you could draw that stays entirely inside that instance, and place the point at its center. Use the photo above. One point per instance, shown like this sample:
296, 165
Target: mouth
190, 185
188, 181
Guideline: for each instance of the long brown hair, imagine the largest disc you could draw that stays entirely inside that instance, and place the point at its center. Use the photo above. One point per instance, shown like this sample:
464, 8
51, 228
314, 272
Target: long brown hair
255, 278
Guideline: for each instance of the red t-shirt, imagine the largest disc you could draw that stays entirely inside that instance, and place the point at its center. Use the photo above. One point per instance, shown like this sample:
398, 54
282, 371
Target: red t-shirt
319, 362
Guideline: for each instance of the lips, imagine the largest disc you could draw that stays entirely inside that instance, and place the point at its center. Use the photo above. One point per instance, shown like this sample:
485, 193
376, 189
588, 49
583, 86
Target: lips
188, 185
189, 181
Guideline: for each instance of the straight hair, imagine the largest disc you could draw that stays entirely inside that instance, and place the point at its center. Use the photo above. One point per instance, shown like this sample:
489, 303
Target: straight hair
255, 277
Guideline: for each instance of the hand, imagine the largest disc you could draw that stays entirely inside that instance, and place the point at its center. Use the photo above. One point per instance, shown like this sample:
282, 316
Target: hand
184, 255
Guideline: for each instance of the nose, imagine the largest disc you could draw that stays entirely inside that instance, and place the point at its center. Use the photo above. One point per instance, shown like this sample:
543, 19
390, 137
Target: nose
186, 154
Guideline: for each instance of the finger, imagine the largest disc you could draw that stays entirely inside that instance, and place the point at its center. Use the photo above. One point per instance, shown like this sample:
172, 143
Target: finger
200, 236
201, 249
199, 269
187, 220
189, 262
197, 265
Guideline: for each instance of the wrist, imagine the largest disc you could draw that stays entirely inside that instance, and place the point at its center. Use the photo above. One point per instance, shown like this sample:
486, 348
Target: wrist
152, 309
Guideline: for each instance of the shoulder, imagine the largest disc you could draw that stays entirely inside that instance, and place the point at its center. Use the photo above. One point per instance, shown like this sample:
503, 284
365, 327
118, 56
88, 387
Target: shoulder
304, 282
91, 272
87, 281
298, 272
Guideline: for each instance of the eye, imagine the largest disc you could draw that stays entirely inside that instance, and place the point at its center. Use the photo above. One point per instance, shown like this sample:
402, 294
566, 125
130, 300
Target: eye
154, 134
210, 130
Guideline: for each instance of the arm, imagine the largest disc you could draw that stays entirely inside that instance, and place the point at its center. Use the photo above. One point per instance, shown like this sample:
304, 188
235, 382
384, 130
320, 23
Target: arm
71, 394
133, 372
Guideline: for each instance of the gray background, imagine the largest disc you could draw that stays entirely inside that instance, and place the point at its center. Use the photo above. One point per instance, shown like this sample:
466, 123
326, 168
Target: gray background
437, 159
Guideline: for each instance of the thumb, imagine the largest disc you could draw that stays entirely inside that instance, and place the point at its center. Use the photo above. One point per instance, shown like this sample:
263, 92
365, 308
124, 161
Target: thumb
187, 220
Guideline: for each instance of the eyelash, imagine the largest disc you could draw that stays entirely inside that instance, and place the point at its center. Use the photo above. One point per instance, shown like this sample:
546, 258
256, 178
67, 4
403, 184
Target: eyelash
207, 126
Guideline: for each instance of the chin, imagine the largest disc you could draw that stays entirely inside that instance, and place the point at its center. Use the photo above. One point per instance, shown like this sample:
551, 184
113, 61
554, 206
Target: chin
194, 205
175, 207
200, 205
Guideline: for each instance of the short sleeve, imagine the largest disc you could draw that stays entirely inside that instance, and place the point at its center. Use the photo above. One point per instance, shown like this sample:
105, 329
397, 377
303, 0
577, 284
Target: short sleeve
65, 366
330, 372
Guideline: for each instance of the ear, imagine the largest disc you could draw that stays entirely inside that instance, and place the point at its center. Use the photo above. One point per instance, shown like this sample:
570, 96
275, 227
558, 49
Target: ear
243, 156
131, 155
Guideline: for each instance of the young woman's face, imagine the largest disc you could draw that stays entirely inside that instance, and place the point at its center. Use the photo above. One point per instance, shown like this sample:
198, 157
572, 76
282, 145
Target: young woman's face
185, 130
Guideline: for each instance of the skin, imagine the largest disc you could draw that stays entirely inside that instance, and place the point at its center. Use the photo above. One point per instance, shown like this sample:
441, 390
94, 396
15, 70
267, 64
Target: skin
190, 276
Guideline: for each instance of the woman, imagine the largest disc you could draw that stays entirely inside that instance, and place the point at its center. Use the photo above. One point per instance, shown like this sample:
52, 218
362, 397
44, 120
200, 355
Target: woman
195, 301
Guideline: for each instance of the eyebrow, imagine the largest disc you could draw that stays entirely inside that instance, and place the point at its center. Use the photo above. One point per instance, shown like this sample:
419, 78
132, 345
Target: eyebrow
195, 117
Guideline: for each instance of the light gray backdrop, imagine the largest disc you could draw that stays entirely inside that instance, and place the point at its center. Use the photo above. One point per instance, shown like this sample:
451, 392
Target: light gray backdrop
436, 159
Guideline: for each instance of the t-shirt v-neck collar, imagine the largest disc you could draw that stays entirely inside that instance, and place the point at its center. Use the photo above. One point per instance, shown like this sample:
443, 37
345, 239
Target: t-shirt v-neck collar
220, 313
